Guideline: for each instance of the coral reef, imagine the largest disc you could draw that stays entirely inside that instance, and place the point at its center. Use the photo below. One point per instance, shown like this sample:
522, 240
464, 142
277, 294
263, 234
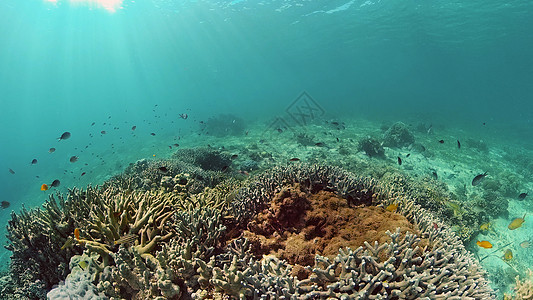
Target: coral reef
398, 135
372, 147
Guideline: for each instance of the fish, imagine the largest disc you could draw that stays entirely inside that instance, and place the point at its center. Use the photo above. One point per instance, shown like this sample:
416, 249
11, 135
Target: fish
508, 255
183, 116
224, 168
163, 169
458, 144
77, 233
34, 161
73, 159
522, 196
234, 156
103, 132
516, 223
399, 161
68, 243
435, 175
484, 244
320, 144
51, 150
478, 179
64, 136
152, 134
408, 154
441, 141
83, 174
294, 159
133, 127
11, 171
128, 238
5, 204
525, 244
44, 187
83, 264
92, 124
176, 145
485, 227
55, 183
392, 207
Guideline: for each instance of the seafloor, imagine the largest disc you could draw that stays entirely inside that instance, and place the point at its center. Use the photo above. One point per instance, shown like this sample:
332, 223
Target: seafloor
257, 210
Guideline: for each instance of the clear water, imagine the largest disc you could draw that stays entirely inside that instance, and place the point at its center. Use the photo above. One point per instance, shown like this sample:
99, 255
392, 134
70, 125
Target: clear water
66, 65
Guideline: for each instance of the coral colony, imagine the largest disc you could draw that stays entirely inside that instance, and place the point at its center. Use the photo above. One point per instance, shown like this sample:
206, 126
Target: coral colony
189, 230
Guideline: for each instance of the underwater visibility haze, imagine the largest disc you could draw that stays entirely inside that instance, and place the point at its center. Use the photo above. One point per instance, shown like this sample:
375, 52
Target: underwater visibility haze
162, 101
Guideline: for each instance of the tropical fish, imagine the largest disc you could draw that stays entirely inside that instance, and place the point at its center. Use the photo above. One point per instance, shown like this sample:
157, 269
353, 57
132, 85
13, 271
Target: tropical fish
485, 227
441, 141
294, 159
129, 238
484, 244
34, 161
11, 171
152, 134
68, 243
478, 179
83, 264
516, 223
83, 174
508, 255
183, 116
525, 244
224, 168
64, 136
434, 174
163, 169
51, 150
234, 156
73, 159
134, 127
5, 204
320, 144
44, 187
176, 145
522, 196
103, 132
55, 183
399, 161
458, 144
77, 233
392, 207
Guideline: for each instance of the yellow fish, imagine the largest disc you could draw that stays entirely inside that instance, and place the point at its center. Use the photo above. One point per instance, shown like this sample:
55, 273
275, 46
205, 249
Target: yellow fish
517, 223
508, 255
484, 244
44, 187
392, 207
485, 227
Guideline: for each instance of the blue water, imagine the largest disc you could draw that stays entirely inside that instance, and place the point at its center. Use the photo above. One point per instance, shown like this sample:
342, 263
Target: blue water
65, 66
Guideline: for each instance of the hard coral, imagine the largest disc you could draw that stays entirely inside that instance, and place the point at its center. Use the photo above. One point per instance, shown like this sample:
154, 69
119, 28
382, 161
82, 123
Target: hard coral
398, 135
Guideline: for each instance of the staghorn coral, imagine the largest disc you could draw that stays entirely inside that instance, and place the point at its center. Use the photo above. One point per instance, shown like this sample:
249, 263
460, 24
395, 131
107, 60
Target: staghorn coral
523, 289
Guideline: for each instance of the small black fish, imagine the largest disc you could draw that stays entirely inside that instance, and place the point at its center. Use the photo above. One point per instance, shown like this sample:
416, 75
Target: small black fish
34, 161
441, 141
103, 132
294, 159
280, 130
55, 183
320, 144
51, 150
176, 145
152, 134
5, 204
234, 156
73, 159
83, 174
64, 136
399, 161
434, 174
134, 127
408, 154
11, 171
92, 124
338, 140
163, 169
458, 144
478, 179
522, 196
224, 168
184, 116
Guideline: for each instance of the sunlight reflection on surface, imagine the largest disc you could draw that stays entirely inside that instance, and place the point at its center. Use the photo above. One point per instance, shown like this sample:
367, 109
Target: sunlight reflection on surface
109, 5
